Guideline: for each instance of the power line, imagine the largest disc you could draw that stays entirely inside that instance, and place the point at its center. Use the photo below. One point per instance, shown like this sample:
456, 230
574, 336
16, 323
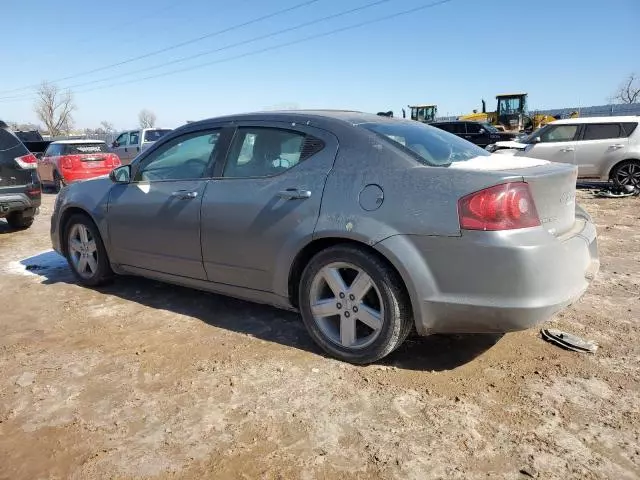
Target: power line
237, 44
175, 46
274, 47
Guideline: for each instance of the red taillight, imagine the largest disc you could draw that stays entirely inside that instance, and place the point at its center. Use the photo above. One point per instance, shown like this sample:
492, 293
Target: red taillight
112, 161
66, 163
27, 161
503, 207
34, 192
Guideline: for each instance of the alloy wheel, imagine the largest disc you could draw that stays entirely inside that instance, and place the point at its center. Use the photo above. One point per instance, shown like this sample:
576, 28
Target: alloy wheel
346, 305
83, 251
629, 174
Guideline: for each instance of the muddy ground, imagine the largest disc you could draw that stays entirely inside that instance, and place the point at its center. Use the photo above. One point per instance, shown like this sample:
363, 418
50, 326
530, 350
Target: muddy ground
146, 380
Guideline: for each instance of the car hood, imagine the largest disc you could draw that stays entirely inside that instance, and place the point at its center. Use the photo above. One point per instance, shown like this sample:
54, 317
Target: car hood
496, 162
511, 144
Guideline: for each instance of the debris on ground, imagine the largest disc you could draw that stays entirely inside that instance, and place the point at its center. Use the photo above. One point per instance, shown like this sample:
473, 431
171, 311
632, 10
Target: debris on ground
568, 341
618, 191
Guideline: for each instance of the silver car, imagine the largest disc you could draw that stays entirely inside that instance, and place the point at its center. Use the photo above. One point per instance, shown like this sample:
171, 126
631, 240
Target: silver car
603, 148
129, 144
368, 226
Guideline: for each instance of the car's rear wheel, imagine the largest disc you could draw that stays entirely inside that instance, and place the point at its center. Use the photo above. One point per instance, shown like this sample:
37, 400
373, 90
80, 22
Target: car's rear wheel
626, 173
354, 304
85, 252
58, 182
18, 220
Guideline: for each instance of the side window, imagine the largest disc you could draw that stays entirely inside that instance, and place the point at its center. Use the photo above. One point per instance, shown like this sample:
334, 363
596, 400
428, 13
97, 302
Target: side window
263, 152
601, 131
629, 127
473, 127
559, 133
134, 137
184, 158
123, 139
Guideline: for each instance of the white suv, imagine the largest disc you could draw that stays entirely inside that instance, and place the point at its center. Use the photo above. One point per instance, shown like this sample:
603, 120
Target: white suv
604, 148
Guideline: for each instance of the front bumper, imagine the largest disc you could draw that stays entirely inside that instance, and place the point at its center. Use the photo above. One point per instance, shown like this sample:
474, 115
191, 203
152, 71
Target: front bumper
498, 282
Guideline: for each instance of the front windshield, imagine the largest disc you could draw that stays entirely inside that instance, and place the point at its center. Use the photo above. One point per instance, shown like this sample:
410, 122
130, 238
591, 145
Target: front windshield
429, 145
510, 105
489, 128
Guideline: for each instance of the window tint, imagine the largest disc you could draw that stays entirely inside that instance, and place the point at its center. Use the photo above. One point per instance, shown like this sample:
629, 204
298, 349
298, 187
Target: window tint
183, 158
601, 131
153, 135
629, 127
458, 129
263, 152
83, 148
123, 139
473, 127
428, 145
134, 138
558, 133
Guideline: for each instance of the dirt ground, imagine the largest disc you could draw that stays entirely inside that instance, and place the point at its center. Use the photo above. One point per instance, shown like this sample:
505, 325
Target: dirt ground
146, 380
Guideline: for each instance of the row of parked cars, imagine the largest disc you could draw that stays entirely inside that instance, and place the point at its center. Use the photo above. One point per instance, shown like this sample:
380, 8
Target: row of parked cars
603, 148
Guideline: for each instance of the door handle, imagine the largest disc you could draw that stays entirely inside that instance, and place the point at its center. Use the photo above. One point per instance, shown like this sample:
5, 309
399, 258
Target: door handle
616, 146
294, 194
184, 195
568, 149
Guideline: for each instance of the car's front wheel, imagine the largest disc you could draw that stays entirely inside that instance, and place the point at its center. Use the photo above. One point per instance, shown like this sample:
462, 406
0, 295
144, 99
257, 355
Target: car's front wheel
353, 304
85, 252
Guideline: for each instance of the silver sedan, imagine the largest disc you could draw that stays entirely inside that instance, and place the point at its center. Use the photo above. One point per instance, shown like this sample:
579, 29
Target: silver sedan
368, 226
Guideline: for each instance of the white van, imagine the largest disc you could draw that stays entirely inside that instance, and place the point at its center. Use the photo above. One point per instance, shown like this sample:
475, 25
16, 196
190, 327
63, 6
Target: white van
129, 144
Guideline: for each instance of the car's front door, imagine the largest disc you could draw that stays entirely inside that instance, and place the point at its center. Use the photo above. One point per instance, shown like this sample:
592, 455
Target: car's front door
557, 143
119, 146
154, 221
600, 145
265, 200
475, 134
133, 146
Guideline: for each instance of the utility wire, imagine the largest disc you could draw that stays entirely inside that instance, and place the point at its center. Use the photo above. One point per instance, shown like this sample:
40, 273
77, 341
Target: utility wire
274, 47
174, 46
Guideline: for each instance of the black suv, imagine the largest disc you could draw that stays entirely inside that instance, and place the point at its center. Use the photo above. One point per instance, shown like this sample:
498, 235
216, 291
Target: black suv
20, 191
482, 134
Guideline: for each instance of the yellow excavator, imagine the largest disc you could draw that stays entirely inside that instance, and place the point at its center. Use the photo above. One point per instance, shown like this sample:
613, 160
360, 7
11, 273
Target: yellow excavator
511, 114
423, 113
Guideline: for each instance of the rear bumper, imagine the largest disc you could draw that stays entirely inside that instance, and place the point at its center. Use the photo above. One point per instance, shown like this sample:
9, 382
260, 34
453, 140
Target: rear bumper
76, 176
18, 202
495, 281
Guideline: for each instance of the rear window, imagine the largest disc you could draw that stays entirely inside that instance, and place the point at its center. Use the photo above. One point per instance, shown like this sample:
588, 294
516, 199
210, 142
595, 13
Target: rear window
629, 127
153, 135
10, 146
83, 148
428, 145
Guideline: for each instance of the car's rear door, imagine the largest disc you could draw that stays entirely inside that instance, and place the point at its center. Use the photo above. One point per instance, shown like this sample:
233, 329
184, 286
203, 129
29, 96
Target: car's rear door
600, 145
557, 144
154, 221
264, 202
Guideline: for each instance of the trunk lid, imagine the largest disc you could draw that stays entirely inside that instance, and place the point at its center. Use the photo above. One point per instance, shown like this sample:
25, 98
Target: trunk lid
552, 186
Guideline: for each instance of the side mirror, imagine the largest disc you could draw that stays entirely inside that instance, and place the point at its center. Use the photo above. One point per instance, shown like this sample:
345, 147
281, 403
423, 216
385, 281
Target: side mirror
39, 155
121, 174
536, 140
481, 131
115, 144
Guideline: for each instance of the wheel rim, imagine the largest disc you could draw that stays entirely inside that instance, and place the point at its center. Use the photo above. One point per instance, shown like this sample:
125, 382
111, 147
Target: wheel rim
629, 175
346, 305
83, 251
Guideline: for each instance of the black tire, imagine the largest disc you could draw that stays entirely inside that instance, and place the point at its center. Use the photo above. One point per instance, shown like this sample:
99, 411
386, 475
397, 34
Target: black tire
18, 220
103, 274
617, 175
58, 182
397, 320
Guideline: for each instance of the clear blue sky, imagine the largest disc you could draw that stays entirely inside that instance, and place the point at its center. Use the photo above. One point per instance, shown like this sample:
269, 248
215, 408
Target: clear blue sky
562, 52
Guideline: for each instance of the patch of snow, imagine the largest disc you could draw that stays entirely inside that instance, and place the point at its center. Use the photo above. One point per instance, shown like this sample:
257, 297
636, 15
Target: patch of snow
498, 162
40, 264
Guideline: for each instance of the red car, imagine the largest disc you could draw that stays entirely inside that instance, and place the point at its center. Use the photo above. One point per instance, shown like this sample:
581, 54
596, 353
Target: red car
67, 161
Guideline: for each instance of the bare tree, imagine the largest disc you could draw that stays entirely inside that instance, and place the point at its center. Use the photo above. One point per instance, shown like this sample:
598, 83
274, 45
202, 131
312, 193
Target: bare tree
107, 126
54, 108
629, 90
146, 118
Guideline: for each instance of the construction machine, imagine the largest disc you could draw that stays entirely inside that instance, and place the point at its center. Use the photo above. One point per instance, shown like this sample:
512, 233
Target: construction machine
423, 113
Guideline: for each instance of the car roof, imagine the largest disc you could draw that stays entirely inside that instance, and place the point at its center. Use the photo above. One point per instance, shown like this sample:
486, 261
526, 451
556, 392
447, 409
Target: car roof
71, 142
348, 116
627, 118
